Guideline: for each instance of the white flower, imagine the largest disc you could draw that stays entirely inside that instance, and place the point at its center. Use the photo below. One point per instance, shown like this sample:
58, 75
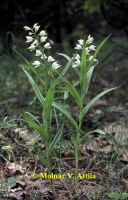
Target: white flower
78, 47
92, 48
38, 53
81, 42
74, 65
36, 63
29, 39
27, 28
42, 33
30, 33
43, 39
77, 62
77, 56
32, 47
89, 40
43, 56
55, 65
35, 42
50, 59
36, 27
47, 46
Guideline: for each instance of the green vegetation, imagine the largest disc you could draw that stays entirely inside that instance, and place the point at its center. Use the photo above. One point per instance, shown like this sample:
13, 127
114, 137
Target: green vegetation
53, 121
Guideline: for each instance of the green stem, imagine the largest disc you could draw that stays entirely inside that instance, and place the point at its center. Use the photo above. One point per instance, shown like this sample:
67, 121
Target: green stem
77, 150
49, 160
77, 165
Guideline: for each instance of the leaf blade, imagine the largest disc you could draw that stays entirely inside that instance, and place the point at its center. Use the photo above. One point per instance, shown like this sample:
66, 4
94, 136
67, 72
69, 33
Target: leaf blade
33, 124
67, 114
56, 139
35, 88
91, 103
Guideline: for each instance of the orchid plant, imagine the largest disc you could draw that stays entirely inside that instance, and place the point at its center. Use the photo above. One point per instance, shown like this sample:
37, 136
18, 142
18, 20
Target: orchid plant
82, 63
40, 45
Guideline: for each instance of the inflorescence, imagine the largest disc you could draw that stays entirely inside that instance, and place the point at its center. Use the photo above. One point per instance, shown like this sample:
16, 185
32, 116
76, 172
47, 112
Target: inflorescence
40, 44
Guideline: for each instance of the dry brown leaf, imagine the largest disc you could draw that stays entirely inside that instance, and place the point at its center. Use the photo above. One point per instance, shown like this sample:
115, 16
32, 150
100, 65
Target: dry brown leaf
125, 183
107, 149
14, 168
68, 154
96, 144
17, 193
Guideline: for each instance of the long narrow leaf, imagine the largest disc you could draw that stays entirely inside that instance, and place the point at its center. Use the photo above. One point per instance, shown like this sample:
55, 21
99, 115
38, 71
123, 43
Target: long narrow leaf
65, 56
33, 117
21, 56
67, 114
35, 88
33, 124
56, 139
48, 103
90, 132
91, 103
83, 70
97, 51
71, 88
88, 79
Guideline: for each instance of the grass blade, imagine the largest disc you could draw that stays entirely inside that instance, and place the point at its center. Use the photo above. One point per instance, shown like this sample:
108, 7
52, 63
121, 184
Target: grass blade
91, 103
101, 132
88, 80
48, 103
35, 88
65, 56
33, 124
56, 139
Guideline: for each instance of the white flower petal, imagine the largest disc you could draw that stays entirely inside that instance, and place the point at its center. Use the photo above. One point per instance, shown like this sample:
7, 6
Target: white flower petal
81, 41
42, 33
89, 40
30, 33
32, 47
47, 46
77, 56
50, 59
92, 48
36, 27
55, 65
27, 28
74, 65
38, 53
78, 47
36, 63
35, 42
77, 62
29, 39
43, 56
43, 38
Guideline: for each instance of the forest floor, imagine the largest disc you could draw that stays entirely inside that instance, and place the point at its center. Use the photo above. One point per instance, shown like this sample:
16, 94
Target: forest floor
105, 157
